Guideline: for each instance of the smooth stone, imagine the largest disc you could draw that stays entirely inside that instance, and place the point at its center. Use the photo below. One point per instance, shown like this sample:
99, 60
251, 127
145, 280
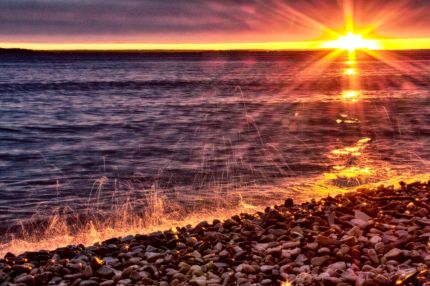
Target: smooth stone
361, 215
21, 268
349, 240
349, 275
72, 277
245, 268
327, 241
320, 260
324, 251
304, 279
373, 256
88, 283
312, 246
135, 276
152, 256
199, 281
375, 239
288, 253
267, 268
26, 279
96, 263
88, 271
290, 244
124, 282
224, 253
360, 223
393, 254
336, 268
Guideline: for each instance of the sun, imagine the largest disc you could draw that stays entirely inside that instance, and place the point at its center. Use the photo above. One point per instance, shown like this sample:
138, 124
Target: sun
352, 42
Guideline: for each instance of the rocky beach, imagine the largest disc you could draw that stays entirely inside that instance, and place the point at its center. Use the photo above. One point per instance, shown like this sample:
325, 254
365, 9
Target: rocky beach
368, 237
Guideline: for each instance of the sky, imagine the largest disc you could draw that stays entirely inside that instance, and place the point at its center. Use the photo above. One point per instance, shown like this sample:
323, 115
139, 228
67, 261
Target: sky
69, 24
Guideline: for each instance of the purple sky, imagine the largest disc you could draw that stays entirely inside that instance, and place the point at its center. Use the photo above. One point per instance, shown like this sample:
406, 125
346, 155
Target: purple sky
192, 21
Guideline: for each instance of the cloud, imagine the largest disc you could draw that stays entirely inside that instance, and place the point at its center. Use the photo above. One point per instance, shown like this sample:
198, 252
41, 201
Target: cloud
185, 20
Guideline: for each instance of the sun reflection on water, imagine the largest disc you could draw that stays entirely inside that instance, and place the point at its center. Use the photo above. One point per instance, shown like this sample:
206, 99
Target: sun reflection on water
350, 164
351, 96
345, 119
350, 71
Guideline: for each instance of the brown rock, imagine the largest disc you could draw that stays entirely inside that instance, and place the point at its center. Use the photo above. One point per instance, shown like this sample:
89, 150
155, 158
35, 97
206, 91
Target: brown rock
88, 283
394, 253
349, 240
327, 241
320, 260
96, 262
105, 272
26, 279
373, 256
107, 283
88, 272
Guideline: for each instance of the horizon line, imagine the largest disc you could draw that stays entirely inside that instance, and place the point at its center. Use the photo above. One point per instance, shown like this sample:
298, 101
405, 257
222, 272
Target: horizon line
383, 44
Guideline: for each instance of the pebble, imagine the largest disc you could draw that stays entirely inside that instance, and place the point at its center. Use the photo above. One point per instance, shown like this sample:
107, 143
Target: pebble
88, 283
320, 260
26, 279
393, 254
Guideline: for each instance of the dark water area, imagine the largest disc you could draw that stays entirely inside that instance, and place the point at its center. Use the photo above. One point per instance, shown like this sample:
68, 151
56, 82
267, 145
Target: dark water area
89, 129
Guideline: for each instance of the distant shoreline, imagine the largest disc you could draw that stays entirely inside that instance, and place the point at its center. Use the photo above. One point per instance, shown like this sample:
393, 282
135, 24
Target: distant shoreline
162, 51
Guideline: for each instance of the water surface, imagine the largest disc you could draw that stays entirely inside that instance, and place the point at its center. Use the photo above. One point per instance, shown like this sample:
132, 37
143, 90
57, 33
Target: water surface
88, 131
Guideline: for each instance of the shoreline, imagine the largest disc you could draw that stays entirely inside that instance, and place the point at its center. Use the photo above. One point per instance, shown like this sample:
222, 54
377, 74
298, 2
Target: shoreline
368, 237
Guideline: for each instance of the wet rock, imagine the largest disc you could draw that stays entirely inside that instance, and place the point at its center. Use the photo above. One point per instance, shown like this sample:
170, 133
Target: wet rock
289, 203
105, 272
96, 263
21, 268
88, 272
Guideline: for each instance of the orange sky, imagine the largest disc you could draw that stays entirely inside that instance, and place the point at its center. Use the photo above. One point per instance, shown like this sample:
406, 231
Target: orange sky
210, 25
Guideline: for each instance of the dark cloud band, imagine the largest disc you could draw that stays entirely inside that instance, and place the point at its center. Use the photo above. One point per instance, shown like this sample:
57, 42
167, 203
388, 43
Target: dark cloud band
152, 18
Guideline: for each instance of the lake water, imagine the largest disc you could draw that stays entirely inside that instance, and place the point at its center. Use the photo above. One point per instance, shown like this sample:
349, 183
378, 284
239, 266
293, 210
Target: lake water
92, 131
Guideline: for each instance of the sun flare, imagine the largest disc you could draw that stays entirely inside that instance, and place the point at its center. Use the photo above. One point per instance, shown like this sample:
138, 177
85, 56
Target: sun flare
352, 42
